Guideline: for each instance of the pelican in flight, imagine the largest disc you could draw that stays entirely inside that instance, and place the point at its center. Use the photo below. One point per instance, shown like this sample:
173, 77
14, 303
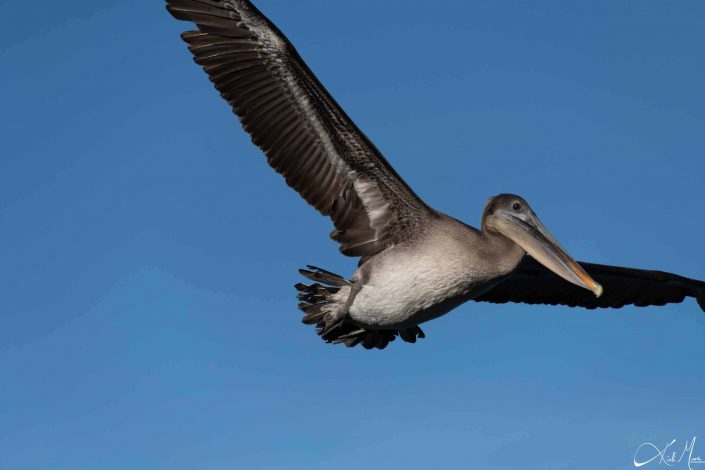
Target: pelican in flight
416, 263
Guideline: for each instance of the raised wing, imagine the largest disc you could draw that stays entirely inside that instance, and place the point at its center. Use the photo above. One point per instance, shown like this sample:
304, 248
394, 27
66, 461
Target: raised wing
305, 135
531, 283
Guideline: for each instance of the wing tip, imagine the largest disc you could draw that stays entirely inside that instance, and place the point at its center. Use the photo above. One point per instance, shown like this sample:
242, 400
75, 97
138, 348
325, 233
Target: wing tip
701, 301
176, 13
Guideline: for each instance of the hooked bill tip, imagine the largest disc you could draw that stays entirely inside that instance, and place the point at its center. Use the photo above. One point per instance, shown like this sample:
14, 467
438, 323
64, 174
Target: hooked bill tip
598, 290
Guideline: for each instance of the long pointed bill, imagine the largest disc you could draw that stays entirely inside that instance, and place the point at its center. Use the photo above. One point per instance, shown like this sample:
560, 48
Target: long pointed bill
530, 234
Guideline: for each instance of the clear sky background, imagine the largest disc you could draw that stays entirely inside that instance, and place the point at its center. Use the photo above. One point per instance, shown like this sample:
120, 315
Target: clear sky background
148, 254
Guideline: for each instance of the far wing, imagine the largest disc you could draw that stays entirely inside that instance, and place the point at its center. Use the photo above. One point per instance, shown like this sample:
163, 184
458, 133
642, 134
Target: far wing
531, 283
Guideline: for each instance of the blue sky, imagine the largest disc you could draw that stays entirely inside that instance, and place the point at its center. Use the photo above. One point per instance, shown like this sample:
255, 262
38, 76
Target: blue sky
148, 254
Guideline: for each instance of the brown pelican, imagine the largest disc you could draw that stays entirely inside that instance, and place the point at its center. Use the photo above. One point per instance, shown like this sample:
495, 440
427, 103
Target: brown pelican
415, 262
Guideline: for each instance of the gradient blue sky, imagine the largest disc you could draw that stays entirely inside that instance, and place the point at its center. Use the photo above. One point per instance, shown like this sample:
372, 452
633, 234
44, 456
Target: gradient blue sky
148, 253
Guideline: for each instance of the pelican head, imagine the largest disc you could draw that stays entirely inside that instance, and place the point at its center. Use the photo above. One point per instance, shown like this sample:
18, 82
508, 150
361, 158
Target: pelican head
512, 217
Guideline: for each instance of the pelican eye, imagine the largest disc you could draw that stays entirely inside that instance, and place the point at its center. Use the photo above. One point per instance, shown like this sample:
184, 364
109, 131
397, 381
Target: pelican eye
516, 206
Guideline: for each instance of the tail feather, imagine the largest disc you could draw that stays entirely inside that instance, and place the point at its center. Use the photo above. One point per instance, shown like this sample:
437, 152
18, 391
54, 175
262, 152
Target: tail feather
326, 277
325, 305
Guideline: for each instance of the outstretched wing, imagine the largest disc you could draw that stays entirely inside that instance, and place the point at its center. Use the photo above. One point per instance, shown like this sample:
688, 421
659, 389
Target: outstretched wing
531, 283
304, 133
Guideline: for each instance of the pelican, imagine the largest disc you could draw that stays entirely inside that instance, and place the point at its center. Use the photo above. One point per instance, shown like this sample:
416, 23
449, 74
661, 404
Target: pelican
416, 263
